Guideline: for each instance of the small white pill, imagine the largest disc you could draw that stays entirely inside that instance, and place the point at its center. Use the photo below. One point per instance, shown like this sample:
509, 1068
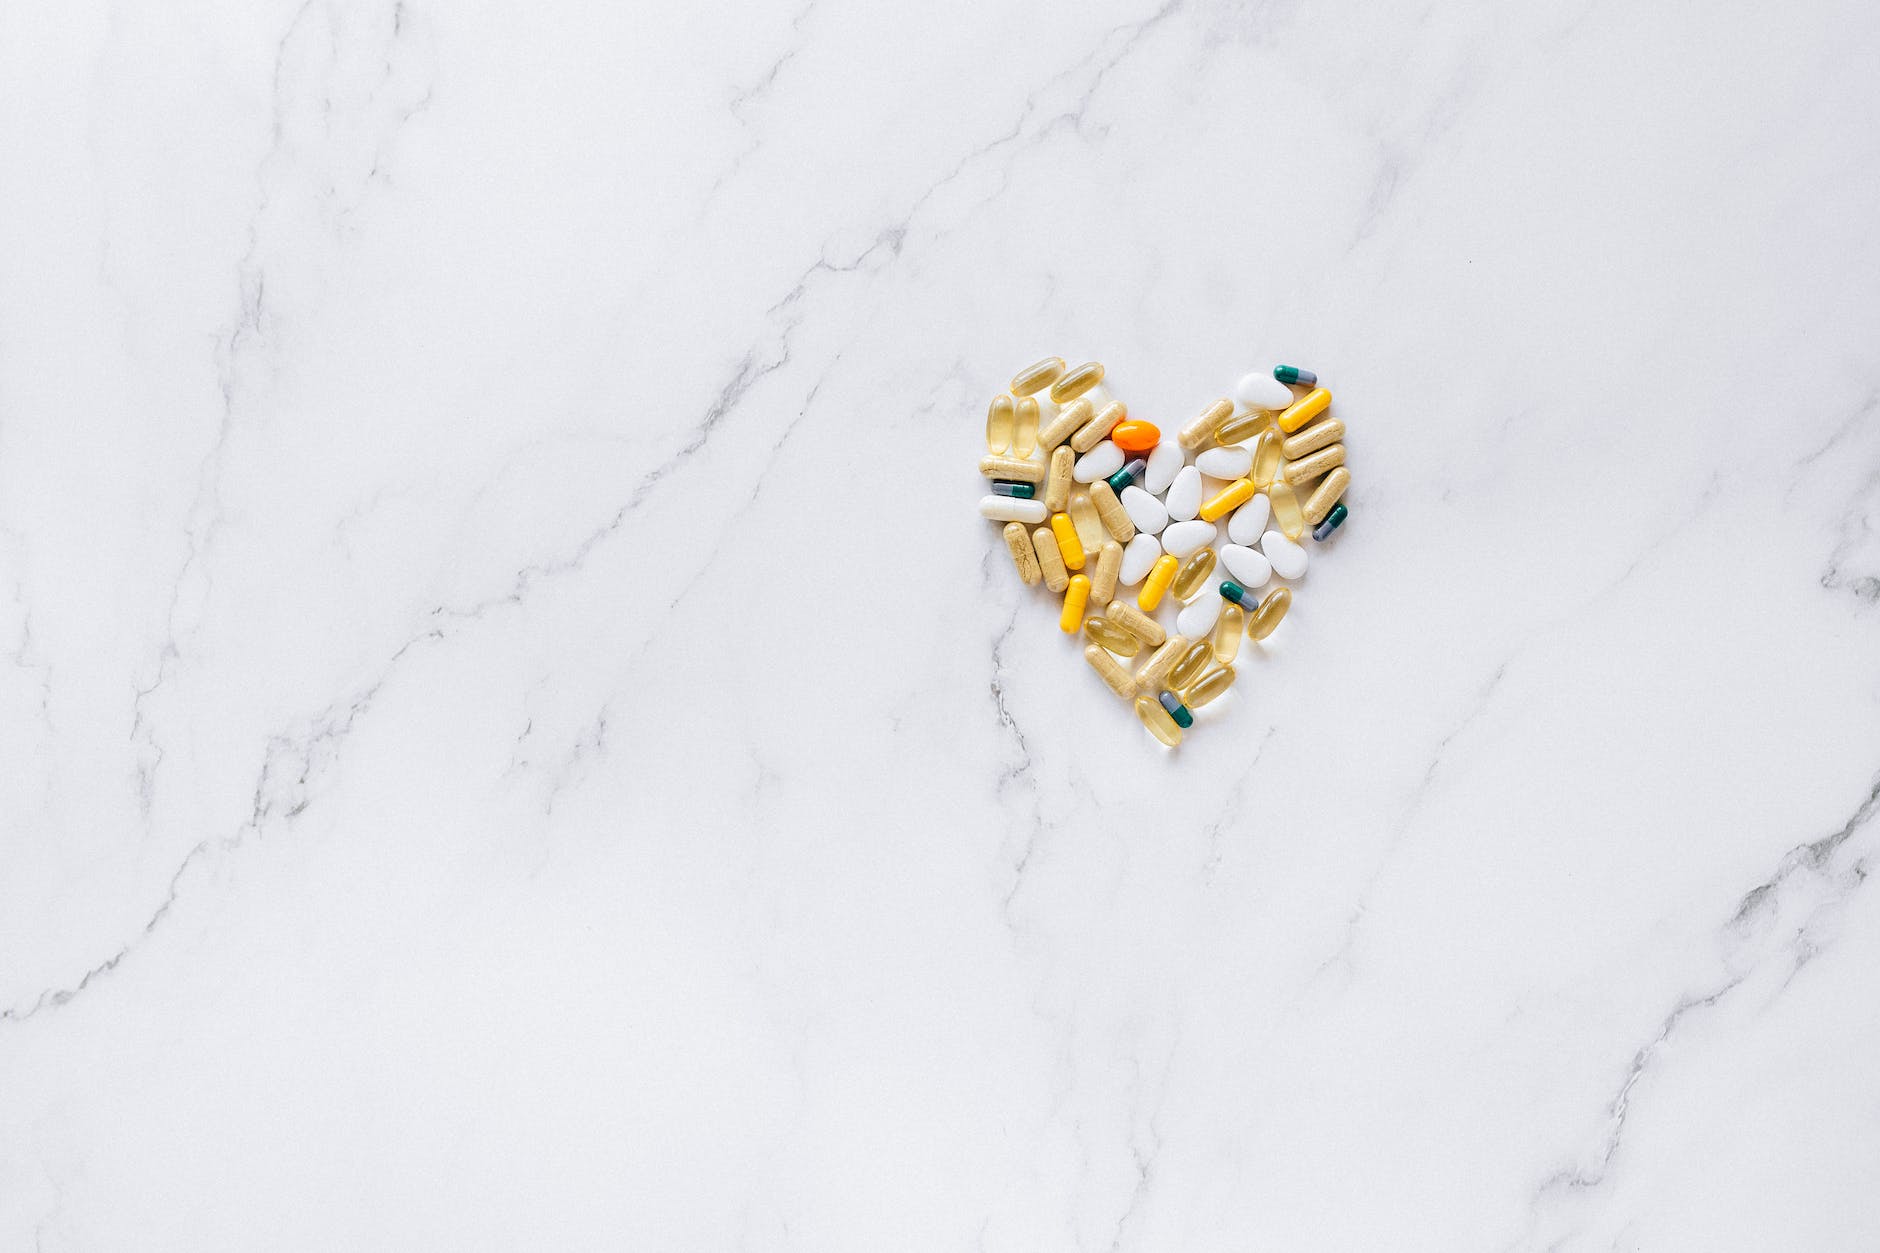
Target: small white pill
1184, 495
1289, 560
1144, 510
1262, 391
1225, 463
1099, 463
1012, 509
1184, 539
1248, 566
1197, 619
1165, 462
1138, 555
1249, 520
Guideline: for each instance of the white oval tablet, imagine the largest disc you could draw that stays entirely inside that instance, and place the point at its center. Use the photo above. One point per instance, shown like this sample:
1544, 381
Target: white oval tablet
1289, 560
1185, 539
1184, 495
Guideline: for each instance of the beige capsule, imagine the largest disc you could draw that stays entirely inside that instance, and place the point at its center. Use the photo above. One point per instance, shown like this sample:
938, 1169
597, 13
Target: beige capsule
1152, 674
1196, 434
1115, 675
1238, 429
1313, 466
1025, 426
1012, 468
1325, 495
1157, 719
1084, 518
1000, 417
1227, 632
1076, 381
1260, 622
1191, 580
1037, 376
1102, 631
1110, 511
1313, 438
1065, 424
1136, 622
1194, 659
1044, 544
1018, 539
1208, 686
1094, 431
1103, 578
1057, 483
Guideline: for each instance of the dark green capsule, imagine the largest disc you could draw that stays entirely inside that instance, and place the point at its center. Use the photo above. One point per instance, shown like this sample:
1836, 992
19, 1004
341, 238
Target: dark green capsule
1177, 710
1131, 473
1234, 592
1018, 491
1293, 374
1333, 521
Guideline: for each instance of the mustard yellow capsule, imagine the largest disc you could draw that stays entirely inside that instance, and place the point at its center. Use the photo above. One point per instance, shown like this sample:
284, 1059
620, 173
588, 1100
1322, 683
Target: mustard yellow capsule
1069, 547
1076, 381
1267, 616
1114, 674
1208, 686
1292, 523
1103, 578
1012, 468
1326, 494
999, 419
1227, 630
1068, 419
1266, 459
1084, 518
1018, 539
1025, 427
1313, 438
1057, 482
1159, 721
1315, 465
1236, 430
1135, 621
1161, 574
1102, 631
1151, 673
1194, 659
1050, 560
1197, 433
1110, 511
1228, 499
1304, 409
1037, 376
1092, 433
1076, 600
1192, 579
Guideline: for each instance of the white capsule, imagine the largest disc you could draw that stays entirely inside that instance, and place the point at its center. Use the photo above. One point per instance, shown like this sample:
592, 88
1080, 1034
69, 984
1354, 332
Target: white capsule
1184, 495
1249, 520
1012, 509
1144, 510
1225, 463
1197, 619
1248, 566
1138, 555
1289, 560
1165, 462
1184, 539
1262, 391
1099, 463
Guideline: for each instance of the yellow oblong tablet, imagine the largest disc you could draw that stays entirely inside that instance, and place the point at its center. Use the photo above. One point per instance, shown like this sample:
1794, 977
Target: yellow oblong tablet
1161, 574
1228, 499
1069, 546
1304, 409
1076, 600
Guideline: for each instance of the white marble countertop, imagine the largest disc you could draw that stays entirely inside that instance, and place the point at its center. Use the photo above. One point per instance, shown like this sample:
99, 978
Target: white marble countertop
514, 737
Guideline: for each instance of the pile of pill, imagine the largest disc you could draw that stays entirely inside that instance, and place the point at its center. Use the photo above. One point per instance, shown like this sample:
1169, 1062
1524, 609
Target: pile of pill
1082, 486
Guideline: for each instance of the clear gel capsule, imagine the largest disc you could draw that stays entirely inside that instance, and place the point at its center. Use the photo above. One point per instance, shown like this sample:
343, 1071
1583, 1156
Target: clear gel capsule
1304, 409
1025, 427
1037, 376
1018, 539
1103, 579
1286, 511
1333, 520
1111, 513
1235, 430
1267, 616
1136, 622
1318, 435
1000, 415
1076, 600
1119, 641
1192, 578
1114, 674
1227, 631
1176, 710
1197, 433
1266, 459
1158, 721
1076, 381
1069, 546
1084, 518
1326, 494
1313, 466
1019, 491
1045, 546
1291, 375
1128, 476
1208, 686
1161, 574
1061, 427
1194, 659
1057, 483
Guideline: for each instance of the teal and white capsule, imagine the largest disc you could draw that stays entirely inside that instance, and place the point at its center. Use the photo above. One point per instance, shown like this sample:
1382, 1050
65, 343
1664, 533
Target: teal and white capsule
1333, 521
1131, 473
1236, 594
1176, 710
1293, 374
1019, 491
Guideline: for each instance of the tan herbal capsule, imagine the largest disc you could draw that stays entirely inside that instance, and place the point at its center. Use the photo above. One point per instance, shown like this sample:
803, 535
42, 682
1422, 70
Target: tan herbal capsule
1136, 622
1025, 427
1068, 419
1315, 465
1150, 675
1018, 539
1084, 518
1191, 580
999, 419
1208, 686
1110, 511
1313, 438
1266, 459
1093, 432
1194, 659
1114, 674
1103, 578
1037, 376
1012, 468
1227, 631
1076, 381
1236, 430
1267, 616
1102, 631
1285, 502
1325, 495
1050, 560
1160, 723
1197, 433
1057, 484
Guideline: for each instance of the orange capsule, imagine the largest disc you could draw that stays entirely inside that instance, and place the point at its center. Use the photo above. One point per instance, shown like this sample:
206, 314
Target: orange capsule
1135, 436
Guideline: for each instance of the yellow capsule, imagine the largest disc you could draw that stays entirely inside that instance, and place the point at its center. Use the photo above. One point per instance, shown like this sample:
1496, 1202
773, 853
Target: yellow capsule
1050, 560
1076, 600
1262, 621
1025, 427
1093, 432
1150, 675
1012, 468
1161, 574
1196, 434
1194, 659
1019, 541
999, 417
1037, 376
1304, 409
1068, 419
1102, 631
1237, 430
1207, 687
1157, 719
1266, 459
1075, 382
1114, 673
1135, 621
1227, 629
1228, 499
1192, 578
1313, 438
1110, 511
1315, 465
1070, 548
1103, 580
1292, 523
1084, 518
1326, 494
1057, 483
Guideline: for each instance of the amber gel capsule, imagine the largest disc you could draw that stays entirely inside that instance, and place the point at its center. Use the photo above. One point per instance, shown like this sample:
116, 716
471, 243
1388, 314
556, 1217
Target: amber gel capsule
999, 419
1110, 511
1326, 494
1103, 580
1201, 430
1314, 465
1157, 719
1194, 659
1076, 381
1037, 376
1044, 544
1076, 600
1057, 483
1318, 435
1267, 616
1102, 631
1114, 674
1227, 629
1286, 511
1266, 459
1235, 430
1177, 710
1191, 580
1065, 424
1161, 574
1084, 518
1304, 409
1136, 622
1018, 539
1151, 673
1208, 686
1025, 427
1070, 548
1288, 374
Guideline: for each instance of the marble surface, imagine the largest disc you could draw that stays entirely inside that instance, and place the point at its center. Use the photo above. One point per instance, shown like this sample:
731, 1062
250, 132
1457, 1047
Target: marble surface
514, 737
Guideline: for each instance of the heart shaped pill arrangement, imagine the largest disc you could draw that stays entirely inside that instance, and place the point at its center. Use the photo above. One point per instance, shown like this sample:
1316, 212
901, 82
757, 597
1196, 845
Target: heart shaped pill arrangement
1108, 492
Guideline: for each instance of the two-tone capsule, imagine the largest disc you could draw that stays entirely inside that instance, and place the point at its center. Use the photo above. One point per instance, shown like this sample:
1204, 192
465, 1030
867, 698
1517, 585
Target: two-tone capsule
1128, 476
1288, 374
1333, 520
1006, 487
1176, 710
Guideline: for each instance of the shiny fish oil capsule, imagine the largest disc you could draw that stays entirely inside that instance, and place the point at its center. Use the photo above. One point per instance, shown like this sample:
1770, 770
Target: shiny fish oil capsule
1333, 520
1113, 673
1266, 459
1234, 430
1228, 499
1011, 468
1208, 686
1076, 600
1176, 710
1161, 574
1194, 659
1070, 548
1227, 631
1019, 491
1111, 513
1000, 415
1044, 544
1018, 539
1262, 621
1076, 381
1136, 622
1103, 579
1158, 721
1151, 673
1084, 518
1326, 494
1304, 409
1037, 376
1057, 484
1065, 424
1289, 374
1313, 438
1313, 466
1193, 576
1286, 511
1102, 631
1196, 434
1095, 431
1025, 427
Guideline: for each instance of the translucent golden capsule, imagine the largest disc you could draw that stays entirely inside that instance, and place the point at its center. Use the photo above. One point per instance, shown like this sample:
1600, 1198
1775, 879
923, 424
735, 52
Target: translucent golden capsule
1304, 409
1323, 497
1025, 427
1111, 513
1157, 719
1315, 465
1313, 438
1136, 622
1267, 616
1044, 544
1102, 631
1037, 376
1061, 427
1076, 600
1114, 673
1070, 548
1292, 523
1092, 433
1084, 518
1018, 539
1194, 659
1266, 459
1103, 578
1197, 433
999, 419
1057, 483
1153, 673
1236, 430
1075, 382
1227, 630
1013, 468
1161, 574
1208, 686
1192, 578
